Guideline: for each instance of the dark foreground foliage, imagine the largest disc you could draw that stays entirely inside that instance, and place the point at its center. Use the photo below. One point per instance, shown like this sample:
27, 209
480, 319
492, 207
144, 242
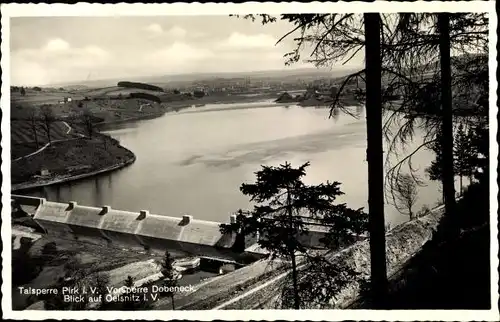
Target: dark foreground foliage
451, 271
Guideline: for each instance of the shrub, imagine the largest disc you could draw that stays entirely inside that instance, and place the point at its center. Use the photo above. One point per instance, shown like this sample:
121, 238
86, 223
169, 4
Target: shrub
49, 249
146, 96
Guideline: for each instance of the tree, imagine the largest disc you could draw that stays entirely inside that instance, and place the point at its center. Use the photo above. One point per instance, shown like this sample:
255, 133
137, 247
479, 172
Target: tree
47, 117
435, 170
23, 91
480, 144
198, 93
464, 155
410, 45
446, 113
374, 155
129, 282
87, 118
49, 249
129, 304
170, 280
284, 210
100, 281
33, 121
406, 195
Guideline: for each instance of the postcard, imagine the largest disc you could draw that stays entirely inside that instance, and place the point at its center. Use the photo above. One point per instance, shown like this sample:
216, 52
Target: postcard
255, 161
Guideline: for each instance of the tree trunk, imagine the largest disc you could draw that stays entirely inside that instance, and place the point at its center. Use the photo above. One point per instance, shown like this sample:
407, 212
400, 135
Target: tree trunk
33, 126
295, 286
47, 126
296, 298
447, 114
173, 302
461, 185
375, 160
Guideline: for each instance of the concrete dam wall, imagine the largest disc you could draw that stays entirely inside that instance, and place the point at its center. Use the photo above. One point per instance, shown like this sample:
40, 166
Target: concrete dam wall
133, 230
141, 230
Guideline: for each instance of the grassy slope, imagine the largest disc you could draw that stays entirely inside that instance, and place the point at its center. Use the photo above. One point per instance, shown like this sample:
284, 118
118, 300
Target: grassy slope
93, 154
450, 272
23, 138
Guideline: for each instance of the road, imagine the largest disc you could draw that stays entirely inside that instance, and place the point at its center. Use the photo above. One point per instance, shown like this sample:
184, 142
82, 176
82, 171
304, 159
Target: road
256, 289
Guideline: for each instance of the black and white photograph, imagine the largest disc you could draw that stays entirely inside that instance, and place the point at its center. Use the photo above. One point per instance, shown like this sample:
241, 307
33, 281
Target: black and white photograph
323, 161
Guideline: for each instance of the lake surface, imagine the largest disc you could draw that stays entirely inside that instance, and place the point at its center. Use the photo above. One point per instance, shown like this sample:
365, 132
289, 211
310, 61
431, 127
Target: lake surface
194, 161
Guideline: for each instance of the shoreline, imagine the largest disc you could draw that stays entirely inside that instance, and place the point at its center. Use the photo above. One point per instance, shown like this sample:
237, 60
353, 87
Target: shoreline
64, 178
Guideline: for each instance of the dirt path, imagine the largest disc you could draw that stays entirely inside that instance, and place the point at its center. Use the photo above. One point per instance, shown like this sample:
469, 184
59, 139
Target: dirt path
49, 143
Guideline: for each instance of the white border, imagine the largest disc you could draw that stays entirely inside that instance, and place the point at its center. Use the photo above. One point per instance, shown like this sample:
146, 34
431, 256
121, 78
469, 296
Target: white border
86, 9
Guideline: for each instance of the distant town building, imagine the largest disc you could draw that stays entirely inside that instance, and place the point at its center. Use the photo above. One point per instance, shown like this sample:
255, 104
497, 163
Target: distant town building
66, 100
311, 92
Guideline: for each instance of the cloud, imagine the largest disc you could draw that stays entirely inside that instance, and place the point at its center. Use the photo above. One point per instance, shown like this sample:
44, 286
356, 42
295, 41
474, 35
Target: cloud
178, 57
58, 60
241, 41
56, 44
180, 51
54, 59
154, 29
96, 51
177, 32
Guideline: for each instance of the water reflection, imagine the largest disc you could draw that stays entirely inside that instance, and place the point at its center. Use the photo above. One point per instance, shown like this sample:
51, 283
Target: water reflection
98, 194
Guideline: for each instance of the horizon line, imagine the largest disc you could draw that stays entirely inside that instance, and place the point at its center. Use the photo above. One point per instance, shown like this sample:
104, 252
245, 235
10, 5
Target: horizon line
129, 78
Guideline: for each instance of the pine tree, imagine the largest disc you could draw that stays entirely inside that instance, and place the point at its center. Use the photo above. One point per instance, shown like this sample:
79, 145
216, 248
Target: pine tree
285, 206
168, 272
129, 304
464, 155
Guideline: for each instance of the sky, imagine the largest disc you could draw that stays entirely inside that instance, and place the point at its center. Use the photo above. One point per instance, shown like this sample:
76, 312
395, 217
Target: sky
51, 50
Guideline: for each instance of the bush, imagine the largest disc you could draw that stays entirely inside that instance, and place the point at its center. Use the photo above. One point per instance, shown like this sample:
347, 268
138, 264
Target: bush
198, 94
146, 96
49, 249
424, 211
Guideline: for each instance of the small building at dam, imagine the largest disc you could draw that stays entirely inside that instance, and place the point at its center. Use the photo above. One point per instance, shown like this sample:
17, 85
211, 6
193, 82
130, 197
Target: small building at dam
140, 231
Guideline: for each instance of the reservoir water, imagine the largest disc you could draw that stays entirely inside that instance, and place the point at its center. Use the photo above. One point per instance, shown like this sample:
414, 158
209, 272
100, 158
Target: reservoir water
194, 161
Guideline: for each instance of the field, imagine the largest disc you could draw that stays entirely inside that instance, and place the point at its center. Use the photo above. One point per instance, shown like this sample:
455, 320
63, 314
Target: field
46, 96
114, 91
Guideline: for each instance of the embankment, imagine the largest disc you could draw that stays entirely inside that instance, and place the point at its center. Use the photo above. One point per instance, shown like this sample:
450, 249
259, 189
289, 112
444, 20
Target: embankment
268, 282
150, 116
